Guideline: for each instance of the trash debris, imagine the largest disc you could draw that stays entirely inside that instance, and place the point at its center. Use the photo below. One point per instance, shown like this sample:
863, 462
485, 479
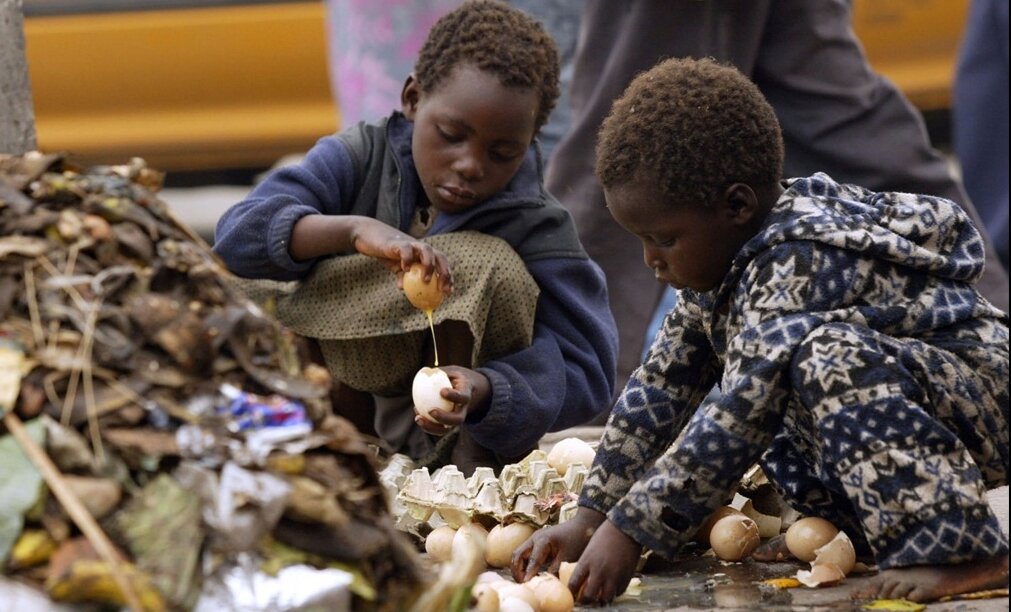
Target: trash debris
176, 409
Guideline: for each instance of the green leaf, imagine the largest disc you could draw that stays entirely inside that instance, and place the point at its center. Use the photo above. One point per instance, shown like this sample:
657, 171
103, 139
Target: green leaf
20, 486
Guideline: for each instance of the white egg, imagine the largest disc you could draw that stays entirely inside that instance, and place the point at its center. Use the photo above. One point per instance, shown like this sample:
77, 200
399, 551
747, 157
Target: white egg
552, 595
484, 598
428, 382
511, 590
471, 535
439, 543
503, 540
568, 451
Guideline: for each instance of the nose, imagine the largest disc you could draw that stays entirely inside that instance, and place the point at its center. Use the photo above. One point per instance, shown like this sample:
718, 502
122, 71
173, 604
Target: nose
651, 258
468, 165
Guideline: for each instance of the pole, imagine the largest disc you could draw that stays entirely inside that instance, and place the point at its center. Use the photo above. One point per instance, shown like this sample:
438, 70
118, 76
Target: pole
17, 119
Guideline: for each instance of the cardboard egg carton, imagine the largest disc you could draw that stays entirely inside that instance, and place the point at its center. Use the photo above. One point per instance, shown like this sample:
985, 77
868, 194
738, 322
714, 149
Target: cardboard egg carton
529, 491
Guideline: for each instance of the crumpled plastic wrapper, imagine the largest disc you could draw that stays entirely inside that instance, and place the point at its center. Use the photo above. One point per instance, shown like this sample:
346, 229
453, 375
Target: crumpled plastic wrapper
241, 587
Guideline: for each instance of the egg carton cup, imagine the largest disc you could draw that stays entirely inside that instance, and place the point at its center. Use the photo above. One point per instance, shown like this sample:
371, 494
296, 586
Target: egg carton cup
531, 491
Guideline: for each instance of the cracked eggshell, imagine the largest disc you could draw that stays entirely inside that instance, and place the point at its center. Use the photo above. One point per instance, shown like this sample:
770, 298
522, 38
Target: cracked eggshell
734, 537
439, 543
569, 451
820, 575
702, 535
425, 391
768, 526
807, 535
838, 552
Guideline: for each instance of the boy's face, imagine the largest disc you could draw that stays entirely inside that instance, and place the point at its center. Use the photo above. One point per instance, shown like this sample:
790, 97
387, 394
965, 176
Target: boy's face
470, 135
687, 245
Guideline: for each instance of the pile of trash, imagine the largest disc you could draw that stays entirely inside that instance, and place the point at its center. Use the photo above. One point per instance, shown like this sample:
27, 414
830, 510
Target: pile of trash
166, 444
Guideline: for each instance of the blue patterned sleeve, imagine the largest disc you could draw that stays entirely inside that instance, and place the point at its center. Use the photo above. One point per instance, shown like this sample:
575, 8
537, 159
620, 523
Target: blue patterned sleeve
654, 406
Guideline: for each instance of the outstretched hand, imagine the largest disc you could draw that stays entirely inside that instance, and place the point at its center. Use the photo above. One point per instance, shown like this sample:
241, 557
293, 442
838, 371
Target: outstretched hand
606, 566
549, 547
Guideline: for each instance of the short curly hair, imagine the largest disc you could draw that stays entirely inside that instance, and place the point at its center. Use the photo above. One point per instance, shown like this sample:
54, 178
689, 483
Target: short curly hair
695, 127
496, 38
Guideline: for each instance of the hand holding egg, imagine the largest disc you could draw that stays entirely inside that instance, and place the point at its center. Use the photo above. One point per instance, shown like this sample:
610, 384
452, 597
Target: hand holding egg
427, 392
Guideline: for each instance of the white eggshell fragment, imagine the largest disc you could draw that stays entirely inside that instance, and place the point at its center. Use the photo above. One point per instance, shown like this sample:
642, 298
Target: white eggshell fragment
734, 537
503, 540
820, 575
439, 543
838, 552
807, 535
425, 391
768, 526
569, 451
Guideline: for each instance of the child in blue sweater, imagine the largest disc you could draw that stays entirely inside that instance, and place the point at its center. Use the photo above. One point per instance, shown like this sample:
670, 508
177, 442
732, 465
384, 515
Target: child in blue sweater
453, 181
857, 363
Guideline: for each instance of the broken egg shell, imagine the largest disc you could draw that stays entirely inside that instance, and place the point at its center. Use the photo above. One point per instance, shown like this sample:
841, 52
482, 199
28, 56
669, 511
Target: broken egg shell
503, 540
552, 594
768, 526
484, 598
439, 543
702, 535
838, 552
734, 537
428, 383
423, 295
570, 451
807, 535
820, 575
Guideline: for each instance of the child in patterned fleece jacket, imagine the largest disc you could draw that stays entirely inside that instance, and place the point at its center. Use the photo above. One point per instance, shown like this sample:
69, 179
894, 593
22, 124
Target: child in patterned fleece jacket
857, 364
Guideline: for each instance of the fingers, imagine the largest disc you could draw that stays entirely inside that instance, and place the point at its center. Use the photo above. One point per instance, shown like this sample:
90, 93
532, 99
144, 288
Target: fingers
518, 563
436, 429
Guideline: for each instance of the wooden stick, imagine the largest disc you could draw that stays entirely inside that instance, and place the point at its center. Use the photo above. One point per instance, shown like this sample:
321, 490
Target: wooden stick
80, 515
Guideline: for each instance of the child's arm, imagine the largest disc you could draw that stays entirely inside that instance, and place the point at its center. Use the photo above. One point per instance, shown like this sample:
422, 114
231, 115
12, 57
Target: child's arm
253, 237
566, 376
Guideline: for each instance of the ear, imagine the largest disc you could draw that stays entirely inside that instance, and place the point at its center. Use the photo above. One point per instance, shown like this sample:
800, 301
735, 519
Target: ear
740, 203
409, 97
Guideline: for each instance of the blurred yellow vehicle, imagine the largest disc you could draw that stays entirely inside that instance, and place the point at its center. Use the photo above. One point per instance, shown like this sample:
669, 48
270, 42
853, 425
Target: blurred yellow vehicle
186, 84
219, 84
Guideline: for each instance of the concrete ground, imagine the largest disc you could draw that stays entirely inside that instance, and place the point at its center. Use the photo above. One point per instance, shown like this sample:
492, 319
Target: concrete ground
702, 583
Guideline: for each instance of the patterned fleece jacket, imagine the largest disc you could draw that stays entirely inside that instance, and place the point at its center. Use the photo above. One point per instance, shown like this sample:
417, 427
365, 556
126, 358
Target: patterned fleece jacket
898, 264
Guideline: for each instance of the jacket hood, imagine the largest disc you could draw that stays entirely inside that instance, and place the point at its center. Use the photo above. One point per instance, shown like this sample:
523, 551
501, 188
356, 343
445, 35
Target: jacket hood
920, 232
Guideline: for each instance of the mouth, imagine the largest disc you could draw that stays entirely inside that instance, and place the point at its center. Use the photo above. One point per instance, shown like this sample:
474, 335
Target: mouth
457, 196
